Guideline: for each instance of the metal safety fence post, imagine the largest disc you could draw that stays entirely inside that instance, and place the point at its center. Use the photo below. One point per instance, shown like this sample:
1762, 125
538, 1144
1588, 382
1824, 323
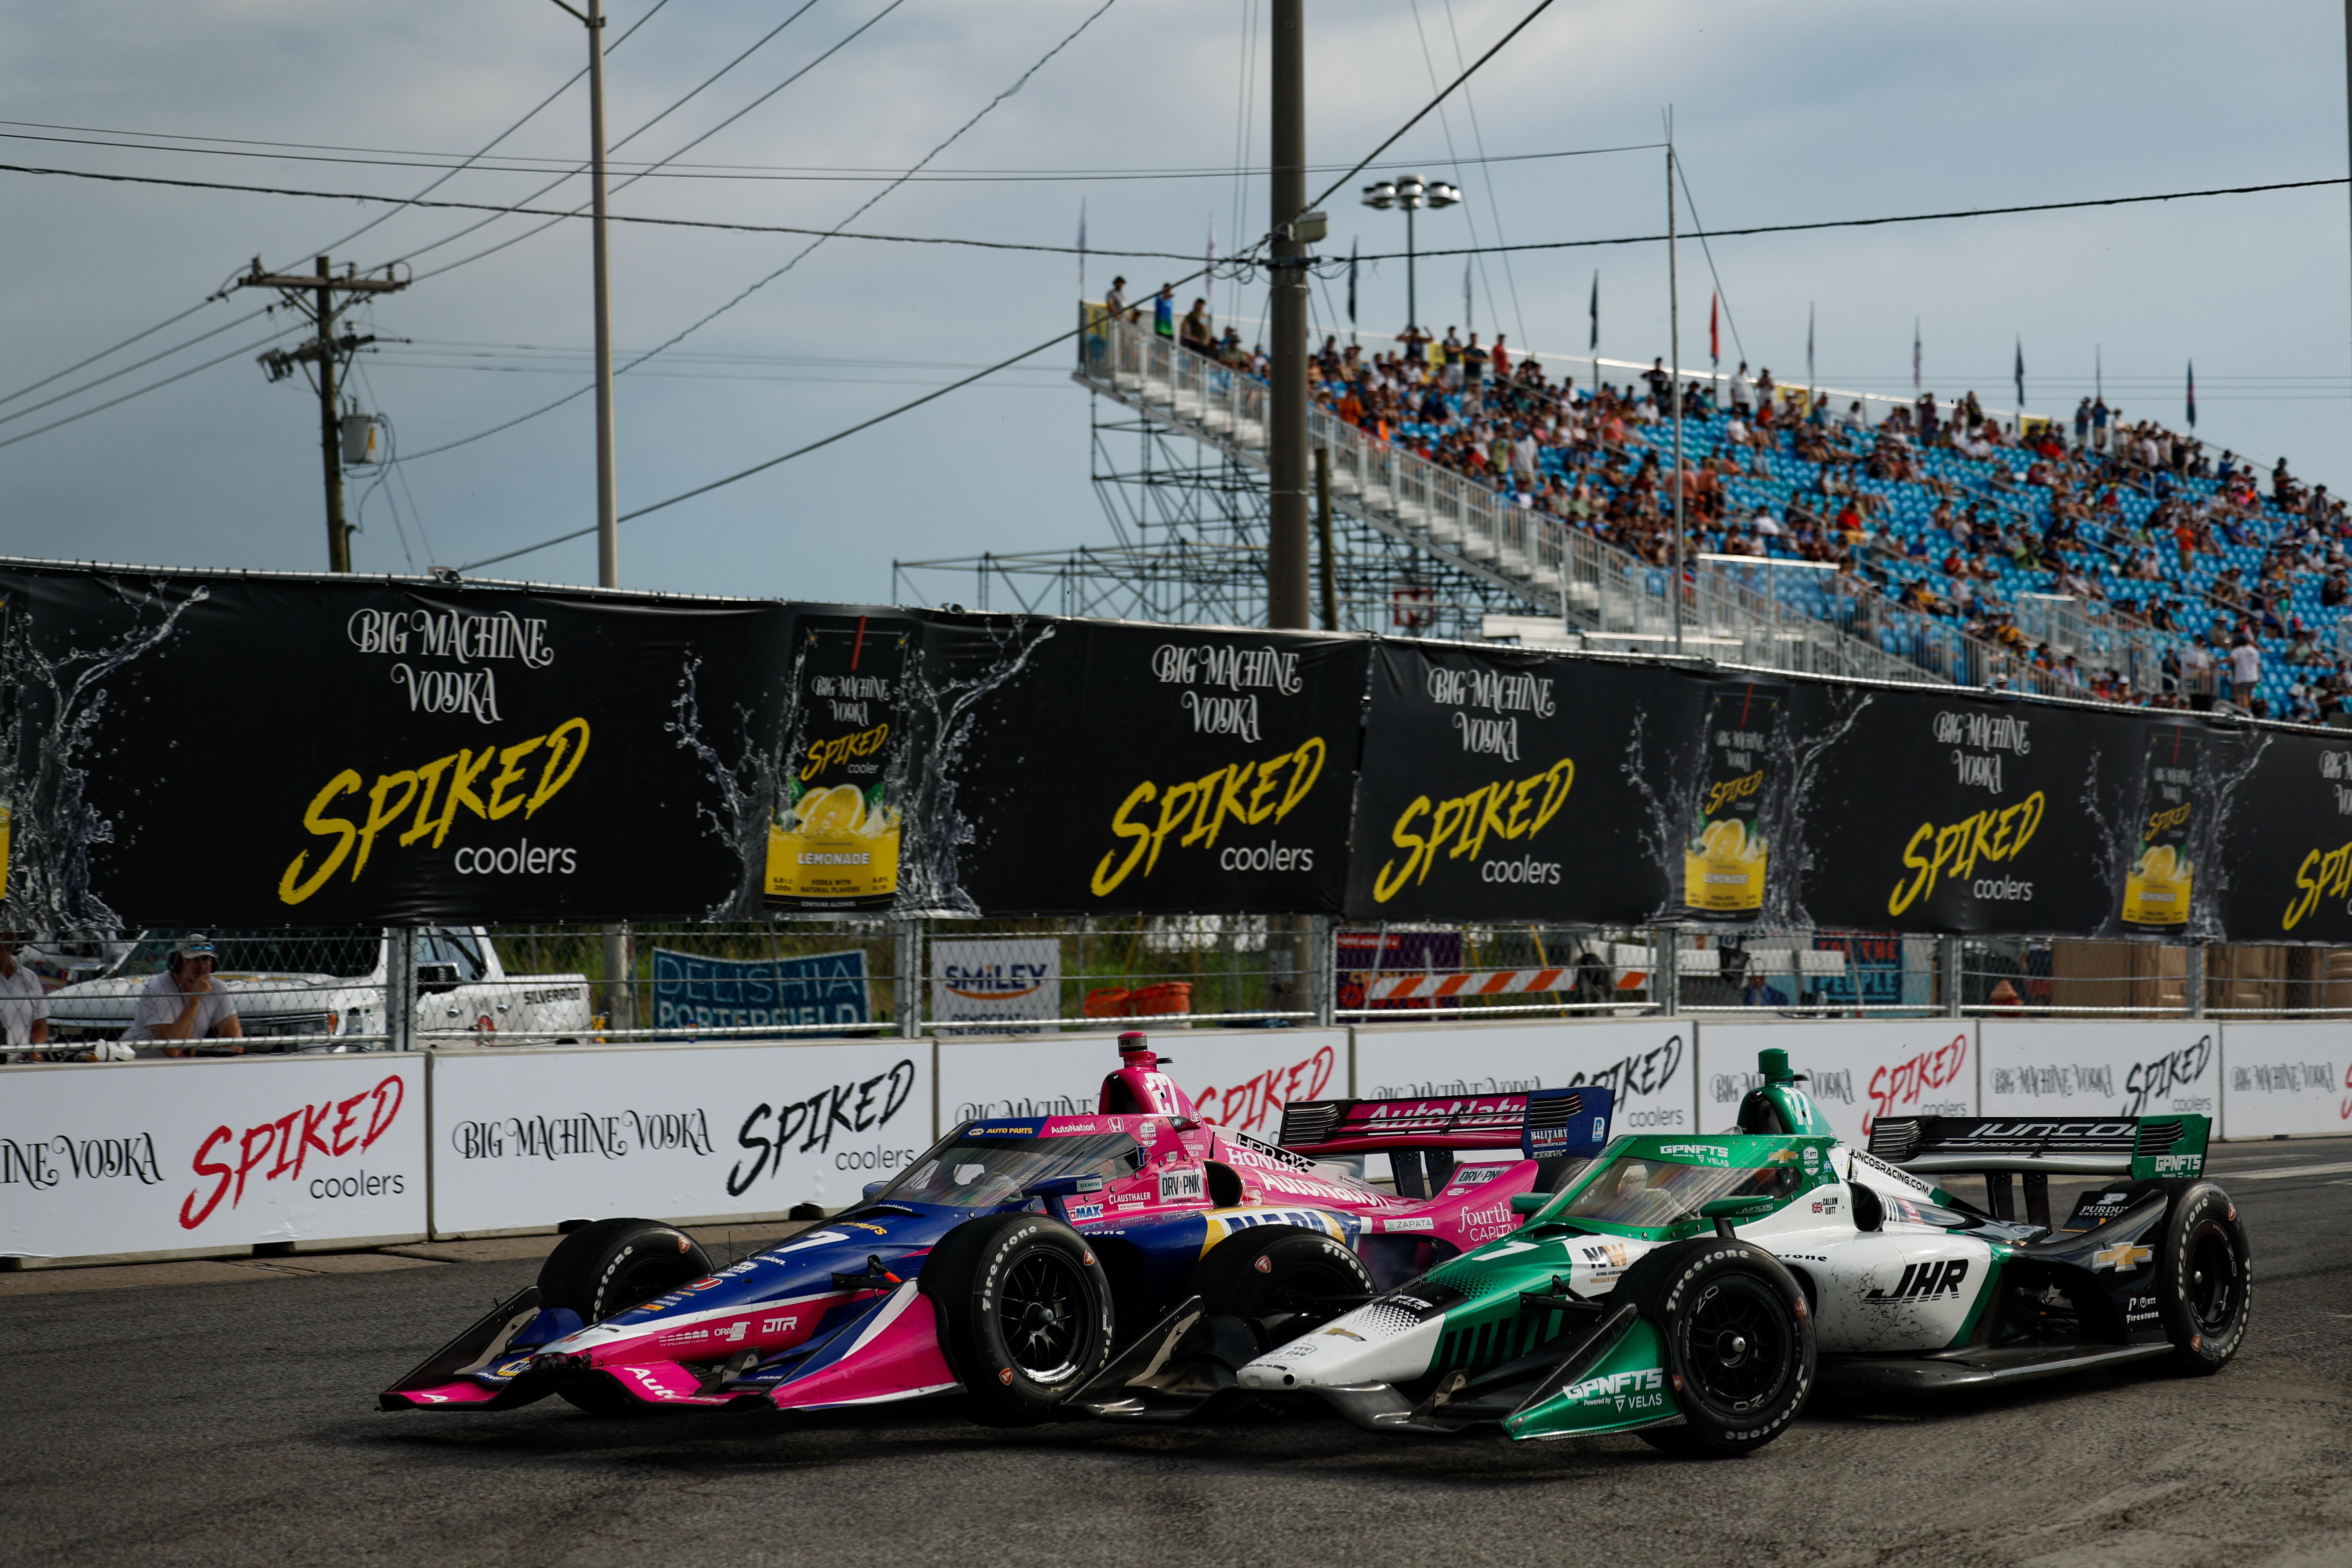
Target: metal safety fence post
400, 989
907, 977
1667, 990
1323, 977
2196, 979
1948, 964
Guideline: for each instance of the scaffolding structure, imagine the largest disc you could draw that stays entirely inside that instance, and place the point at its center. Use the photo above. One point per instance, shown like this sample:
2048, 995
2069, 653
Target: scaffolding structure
1187, 529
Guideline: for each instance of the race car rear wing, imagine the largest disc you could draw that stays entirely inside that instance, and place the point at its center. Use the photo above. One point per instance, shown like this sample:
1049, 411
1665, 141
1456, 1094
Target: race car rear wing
2134, 1146
1546, 1123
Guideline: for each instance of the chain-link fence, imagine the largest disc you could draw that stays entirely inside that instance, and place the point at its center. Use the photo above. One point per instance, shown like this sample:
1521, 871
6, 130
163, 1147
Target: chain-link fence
155, 994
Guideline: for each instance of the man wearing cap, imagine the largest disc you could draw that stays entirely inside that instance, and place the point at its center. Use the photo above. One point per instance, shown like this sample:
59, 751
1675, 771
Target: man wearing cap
184, 1004
24, 1006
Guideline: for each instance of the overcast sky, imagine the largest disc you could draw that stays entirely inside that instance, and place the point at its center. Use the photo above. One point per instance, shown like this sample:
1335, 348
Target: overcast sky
1783, 113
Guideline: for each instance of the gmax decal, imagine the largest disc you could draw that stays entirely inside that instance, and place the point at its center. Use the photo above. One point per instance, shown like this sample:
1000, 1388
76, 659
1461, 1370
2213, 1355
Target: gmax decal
1924, 1281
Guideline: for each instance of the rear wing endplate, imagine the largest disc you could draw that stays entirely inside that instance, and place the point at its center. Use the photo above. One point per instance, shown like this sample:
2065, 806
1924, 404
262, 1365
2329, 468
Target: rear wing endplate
1545, 1123
2136, 1146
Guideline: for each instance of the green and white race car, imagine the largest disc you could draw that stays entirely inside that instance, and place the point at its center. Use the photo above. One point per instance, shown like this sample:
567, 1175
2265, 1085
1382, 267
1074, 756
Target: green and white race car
1696, 1289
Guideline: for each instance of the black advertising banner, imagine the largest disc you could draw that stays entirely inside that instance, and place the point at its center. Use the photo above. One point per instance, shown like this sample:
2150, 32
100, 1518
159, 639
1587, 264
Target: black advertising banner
288, 750
1930, 811
1501, 784
2282, 805
1728, 849
839, 816
1108, 767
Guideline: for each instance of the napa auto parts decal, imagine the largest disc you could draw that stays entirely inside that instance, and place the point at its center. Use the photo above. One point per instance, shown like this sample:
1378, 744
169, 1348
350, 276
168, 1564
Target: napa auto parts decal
137, 1158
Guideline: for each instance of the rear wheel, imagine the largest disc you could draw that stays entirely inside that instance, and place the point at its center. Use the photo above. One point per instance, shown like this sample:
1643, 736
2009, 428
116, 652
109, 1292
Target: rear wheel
2204, 1278
602, 1270
1739, 1343
1281, 1280
1024, 1313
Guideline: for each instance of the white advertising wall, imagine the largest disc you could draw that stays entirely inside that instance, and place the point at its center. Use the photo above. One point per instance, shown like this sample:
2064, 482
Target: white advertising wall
171, 1156
1861, 1069
529, 1139
2285, 1079
1239, 1077
2102, 1067
1650, 1063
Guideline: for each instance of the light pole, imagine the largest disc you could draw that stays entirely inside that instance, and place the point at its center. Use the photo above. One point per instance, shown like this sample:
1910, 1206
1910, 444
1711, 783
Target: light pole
608, 528
1412, 192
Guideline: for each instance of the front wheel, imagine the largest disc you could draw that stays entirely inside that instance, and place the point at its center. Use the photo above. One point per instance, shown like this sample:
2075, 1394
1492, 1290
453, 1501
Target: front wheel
1739, 1343
602, 1270
1024, 1314
2204, 1278
1281, 1280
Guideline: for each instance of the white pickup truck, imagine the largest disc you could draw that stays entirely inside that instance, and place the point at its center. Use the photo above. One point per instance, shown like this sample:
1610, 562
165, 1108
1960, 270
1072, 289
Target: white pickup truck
289, 985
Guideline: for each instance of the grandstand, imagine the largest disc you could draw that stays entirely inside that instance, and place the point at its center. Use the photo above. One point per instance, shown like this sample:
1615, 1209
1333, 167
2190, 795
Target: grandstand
1828, 531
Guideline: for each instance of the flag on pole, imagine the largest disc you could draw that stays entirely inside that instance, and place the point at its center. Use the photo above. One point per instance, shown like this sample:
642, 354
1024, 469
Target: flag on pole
1715, 330
1592, 343
1082, 247
1808, 353
2192, 395
2098, 373
1351, 290
2020, 373
1914, 356
1467, 324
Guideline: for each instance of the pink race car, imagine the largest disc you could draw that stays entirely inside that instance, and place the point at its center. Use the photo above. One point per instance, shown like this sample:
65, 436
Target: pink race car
1140, 1249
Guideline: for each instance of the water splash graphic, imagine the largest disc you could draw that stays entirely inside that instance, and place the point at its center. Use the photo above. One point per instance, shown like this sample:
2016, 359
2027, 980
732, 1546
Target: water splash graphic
1785, 810
48, 741
929, 882
746, 791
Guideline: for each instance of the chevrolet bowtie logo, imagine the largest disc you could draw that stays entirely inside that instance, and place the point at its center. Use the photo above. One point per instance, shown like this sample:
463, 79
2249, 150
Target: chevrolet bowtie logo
2124, 1255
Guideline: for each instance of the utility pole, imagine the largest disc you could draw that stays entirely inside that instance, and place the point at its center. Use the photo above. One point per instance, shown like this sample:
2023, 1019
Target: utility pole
608, 521
1287, 604
1285, 561
314, 296
620, 955
1674, 352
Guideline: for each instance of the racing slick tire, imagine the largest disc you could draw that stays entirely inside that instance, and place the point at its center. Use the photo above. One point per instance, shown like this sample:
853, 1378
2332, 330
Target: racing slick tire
606, 1267
1281, 1280
2204, 1275
1024, 1314
1738, 1339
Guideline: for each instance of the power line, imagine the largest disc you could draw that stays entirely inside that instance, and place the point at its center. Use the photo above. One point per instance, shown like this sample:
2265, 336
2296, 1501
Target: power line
181, 375
183, 315
330, 248
1683, 174
672, 168
502, 210
1904, 218
135, 365
854, 34
1019, 82
1494, 202
1060, 337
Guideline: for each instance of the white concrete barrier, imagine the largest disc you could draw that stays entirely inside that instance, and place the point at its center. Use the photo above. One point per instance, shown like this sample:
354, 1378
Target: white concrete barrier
1239, 1077
524, 1140
1650, 1062
2281, 1079
211, 1155
1860, 1068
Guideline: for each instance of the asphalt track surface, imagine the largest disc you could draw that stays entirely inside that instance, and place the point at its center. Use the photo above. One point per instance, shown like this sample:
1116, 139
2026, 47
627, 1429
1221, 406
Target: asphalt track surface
235, 1424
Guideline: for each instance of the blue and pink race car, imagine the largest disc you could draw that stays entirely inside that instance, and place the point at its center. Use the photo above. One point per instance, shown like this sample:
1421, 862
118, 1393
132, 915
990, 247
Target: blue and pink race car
1019, 1260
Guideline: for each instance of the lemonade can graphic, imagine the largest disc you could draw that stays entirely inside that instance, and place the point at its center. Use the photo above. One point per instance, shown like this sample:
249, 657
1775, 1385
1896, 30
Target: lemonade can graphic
833, 842
1726, 857
2158, 885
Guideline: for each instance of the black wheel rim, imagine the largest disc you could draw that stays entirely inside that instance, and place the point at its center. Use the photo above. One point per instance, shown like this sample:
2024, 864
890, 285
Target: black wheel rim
1042, 1314
1736, 1343
2212, 1279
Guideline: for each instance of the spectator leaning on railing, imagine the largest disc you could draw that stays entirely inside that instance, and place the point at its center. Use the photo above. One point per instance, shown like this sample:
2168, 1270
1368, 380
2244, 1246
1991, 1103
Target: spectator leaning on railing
185, 1005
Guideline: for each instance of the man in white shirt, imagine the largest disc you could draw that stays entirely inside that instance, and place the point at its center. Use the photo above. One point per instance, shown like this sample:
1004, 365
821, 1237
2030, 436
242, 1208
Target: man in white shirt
2245, 671
184, 1003
24, 1004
